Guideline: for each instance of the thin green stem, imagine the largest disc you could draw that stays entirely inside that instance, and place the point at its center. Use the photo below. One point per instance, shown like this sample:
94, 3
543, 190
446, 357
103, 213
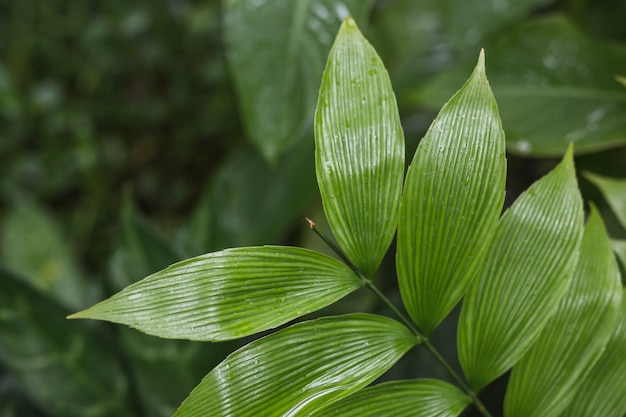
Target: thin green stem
420, 336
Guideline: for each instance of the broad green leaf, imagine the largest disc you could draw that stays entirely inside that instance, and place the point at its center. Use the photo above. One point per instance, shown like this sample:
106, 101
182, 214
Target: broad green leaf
565, 90
619, 247
359, 155
228, 294
451, 203
528, 267
603, 391
300, 369
250, 203
64, 367
545, 380
614, 191
418, 398
34, 247
276, 50
141, 251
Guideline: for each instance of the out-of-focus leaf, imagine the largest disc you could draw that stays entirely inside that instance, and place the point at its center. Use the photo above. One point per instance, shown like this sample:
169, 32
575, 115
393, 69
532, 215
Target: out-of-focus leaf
546, 378
418, 398
565, 90
603, 391
34, 247
359, 156
277, 51
614, 191
451, 203
419, 38
528, 266
250, 203
63, 367
619, 247
164, 371
229, 294
300, 369
12, 401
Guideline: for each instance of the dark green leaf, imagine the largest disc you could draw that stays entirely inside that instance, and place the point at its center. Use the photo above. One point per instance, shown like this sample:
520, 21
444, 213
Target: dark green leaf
603, 391
546, 378
418, 398
452, 200
64, 367
554, 85
529, 264
359, 149
300, 369
276, 51
229, 294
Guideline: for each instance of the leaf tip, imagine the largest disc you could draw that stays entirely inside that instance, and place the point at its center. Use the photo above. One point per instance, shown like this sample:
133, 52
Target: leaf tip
481, 60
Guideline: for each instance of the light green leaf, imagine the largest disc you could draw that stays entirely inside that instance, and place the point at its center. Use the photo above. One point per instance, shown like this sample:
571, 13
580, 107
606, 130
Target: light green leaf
228, 294
418, 398
65, 368
529, 264
614, 191
546, 378
300, 369
452, 200
359, 154
34, 247
564, 92
276, 50
603, 391
619, 247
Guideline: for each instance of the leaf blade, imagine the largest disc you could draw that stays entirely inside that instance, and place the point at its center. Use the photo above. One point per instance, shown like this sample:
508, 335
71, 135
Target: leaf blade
614, 191
547, 377
229, 294
453, 195
416, 398
529, 263
359, 155
301, 368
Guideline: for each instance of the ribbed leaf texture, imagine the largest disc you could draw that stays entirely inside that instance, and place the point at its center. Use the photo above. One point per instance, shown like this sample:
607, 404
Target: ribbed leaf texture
418, 398
452, 200
529, 265
229, 294
300, 369
545, 380
359, 153
603, 391
276, 50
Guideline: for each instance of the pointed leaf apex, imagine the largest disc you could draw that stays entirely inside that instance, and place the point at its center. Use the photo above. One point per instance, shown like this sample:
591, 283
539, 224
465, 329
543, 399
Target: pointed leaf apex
480, 66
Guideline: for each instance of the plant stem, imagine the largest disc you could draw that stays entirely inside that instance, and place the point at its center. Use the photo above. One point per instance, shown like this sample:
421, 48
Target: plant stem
420, 336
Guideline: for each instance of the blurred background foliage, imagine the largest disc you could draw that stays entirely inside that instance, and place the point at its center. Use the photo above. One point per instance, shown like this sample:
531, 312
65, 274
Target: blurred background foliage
134, 134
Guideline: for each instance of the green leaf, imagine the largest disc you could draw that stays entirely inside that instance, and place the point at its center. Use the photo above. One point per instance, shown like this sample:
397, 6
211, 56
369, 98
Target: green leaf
276, 50
229, 294
359, 154
452, 200
614, 191
545, 380
619, 247
64, 367
564, 92
300, 369
603, 391
418, 398
529, 264
34, 247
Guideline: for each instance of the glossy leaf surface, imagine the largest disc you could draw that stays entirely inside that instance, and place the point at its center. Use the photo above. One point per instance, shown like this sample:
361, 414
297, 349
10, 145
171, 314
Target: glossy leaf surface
300, 369
603, 391
451, 203
564, 92
417, 398
528, 266
64, 367
545, 380
359, 153
614, 191
276, 50
228, 294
